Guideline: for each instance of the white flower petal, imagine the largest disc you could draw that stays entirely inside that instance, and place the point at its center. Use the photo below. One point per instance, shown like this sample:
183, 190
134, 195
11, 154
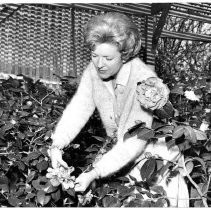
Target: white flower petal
191, 96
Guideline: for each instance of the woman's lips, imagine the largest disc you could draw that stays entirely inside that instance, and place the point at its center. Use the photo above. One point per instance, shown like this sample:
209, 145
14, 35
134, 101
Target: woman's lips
102, 71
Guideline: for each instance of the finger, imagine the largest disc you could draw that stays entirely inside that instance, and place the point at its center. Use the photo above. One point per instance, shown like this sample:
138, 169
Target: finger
54, 163
63, 163
79, 188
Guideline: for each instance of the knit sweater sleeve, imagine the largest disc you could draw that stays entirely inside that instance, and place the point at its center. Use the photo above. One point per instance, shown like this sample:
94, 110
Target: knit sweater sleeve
119, 156
76, 114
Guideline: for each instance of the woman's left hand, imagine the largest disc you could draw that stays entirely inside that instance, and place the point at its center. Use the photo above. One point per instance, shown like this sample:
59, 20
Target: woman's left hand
84, 180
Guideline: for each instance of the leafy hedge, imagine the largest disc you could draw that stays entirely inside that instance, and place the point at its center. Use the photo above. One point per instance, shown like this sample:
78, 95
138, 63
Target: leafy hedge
29, 112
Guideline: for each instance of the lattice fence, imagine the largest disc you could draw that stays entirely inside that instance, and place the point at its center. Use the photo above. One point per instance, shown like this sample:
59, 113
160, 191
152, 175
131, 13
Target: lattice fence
41, 41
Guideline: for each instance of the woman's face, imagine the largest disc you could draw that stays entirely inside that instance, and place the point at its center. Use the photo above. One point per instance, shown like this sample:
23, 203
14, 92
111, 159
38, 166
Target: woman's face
107, 60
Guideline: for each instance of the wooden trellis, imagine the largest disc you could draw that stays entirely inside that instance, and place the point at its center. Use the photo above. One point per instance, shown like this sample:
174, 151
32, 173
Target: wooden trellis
40, 41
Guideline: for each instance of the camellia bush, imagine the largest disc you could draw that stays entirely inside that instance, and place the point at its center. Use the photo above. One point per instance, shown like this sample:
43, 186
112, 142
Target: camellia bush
29, 112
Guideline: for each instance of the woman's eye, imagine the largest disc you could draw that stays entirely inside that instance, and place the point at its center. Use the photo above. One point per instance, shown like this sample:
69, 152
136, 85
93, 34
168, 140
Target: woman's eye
109, 59
94, 56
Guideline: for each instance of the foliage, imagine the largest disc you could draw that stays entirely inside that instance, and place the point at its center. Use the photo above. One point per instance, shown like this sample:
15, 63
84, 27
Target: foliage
185, 66
29, 112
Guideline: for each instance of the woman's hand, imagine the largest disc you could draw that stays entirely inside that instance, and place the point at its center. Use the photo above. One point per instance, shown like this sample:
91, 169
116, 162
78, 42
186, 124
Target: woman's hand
84, 180
56, 158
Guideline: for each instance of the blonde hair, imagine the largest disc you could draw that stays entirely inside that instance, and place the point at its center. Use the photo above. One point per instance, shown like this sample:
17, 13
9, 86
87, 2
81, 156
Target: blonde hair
114, 28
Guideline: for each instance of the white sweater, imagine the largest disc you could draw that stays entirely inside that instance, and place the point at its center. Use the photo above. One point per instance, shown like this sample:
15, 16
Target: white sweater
94, 93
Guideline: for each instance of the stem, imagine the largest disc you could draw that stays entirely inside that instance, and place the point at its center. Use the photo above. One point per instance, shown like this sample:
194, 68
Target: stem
207, 188
35, 100
21, 101
204, 200
45, 97
9, 153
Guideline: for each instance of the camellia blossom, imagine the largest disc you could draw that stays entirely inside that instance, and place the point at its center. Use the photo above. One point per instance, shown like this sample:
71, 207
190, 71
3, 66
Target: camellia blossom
204, 126
152, 93
191, 95
62, 176
207, 110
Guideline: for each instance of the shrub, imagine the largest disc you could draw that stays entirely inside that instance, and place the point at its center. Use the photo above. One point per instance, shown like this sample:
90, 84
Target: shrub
29, 112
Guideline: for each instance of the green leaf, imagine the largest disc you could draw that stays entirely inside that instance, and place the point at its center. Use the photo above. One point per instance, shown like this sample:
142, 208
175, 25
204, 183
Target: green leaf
133, 130
208, 146
30, 195
21, 136
160, 113
133, 178
13, 201
190, 134
4, 188
200, 135
158, 190
147, 204
125, 191
21, 165
195, 175
194, 192
31, 176
200, 160
99, 138
198, 203
189, 166
185, 145
29, 134
159, 163
49, 188
109, 201
123, 179
160, 202
178, 131
24, 114
102, 191
206, 156
41, 183
42, 198
145, 133
3, 180
178, 90
7, 127
71, 192
55, 182
47, 135
33, 155
166, 129
135, 203
56, 195
169, 109
148, 169
43, 165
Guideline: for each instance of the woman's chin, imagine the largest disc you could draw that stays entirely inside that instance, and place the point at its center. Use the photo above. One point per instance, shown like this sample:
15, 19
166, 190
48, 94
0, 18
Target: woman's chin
104, 76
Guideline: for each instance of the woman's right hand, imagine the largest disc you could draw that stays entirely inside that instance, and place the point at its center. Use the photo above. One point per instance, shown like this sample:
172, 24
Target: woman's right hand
56, 158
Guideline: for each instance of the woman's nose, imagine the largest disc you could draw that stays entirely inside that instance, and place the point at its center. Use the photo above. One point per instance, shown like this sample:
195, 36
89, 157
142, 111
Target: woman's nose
100, 63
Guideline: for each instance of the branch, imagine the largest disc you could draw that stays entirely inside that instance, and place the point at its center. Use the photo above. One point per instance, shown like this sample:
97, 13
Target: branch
35, 100
46, 97
195, 185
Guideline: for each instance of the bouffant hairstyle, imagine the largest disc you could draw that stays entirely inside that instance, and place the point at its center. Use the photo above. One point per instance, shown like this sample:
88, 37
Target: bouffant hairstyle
114, 28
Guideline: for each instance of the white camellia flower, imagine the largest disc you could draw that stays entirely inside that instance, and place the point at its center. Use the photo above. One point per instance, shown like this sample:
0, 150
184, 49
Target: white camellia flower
62, 176
204, 126
13, 121
207, 110
191, 95
152, 93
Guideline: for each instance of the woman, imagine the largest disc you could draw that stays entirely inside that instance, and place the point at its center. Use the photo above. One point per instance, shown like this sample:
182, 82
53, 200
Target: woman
109, 83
